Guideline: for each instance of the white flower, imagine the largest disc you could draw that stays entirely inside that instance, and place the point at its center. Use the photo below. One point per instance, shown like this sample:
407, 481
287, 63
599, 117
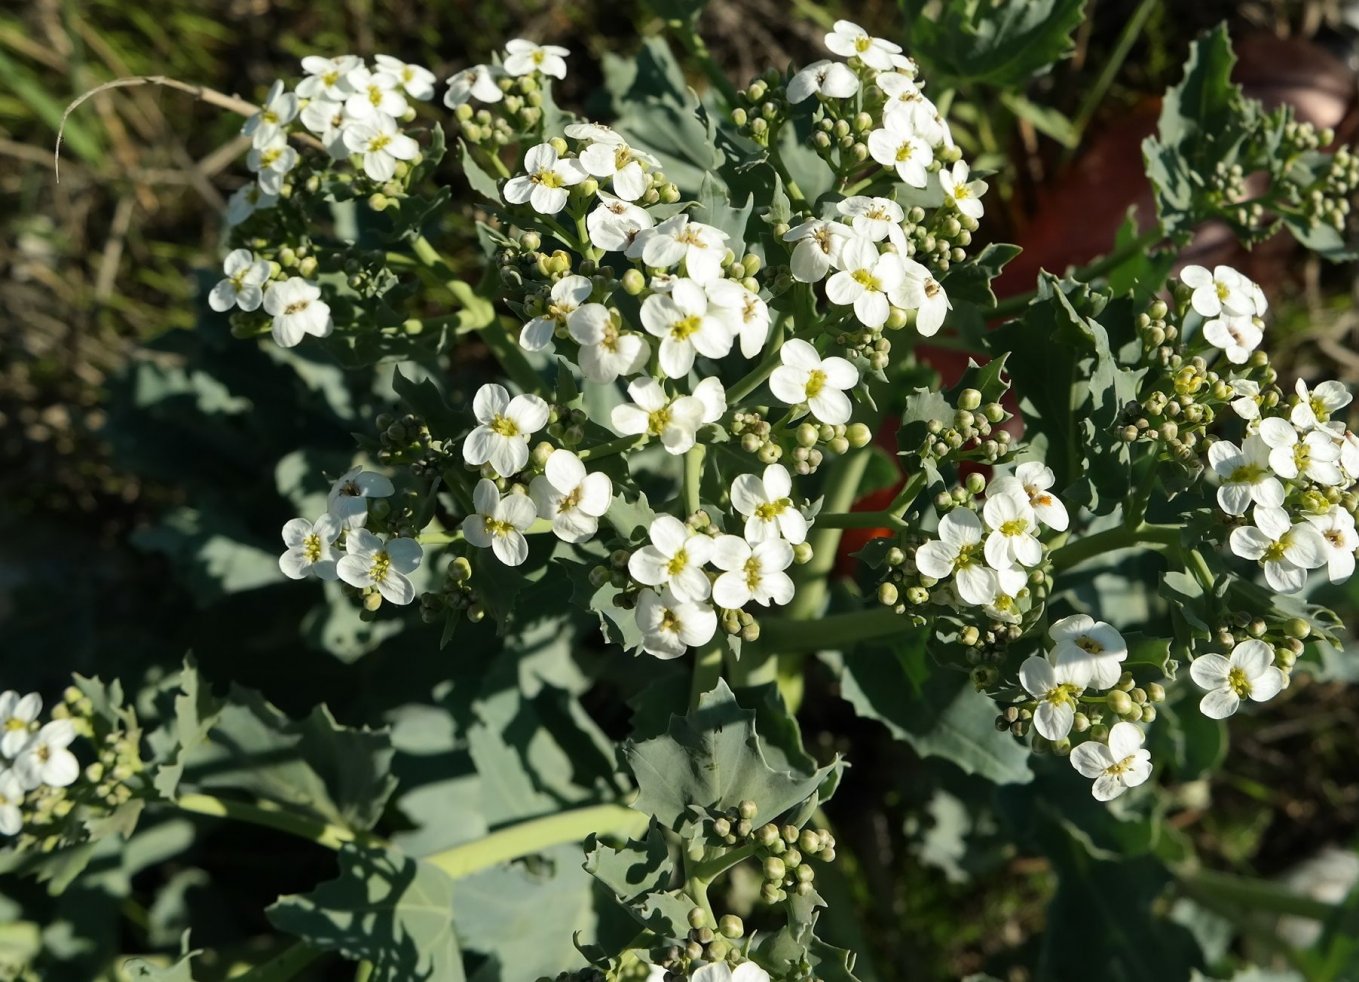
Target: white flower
368, 561
348, 497
615, 223
769, 511
524, 57
686, 327
245, 275
700, 247
1056, 689
1245, 475
963, 194
1236, 335
827, 78
544, 186
722, 972
1116, 766
713, 397
901, 146
374, 94
820, 382
568, 293
1004, 606
1349, 455
652, 412
325, 77
1092, 650
44, 759
746, 315
247, 200
670, 626
11, 798
1314, 408
1338, 535
572, 500
271, 122
751, 572
505, 427
1013, 524
271, 162
298, 310
921, 292
500, 523
477, 82
1033, 479
1247, 403
1224, 289
849, 40
675, 559
873, 218
310, 548
378, 141
818, 248
865, 279
610, 156
17, 717
605, 351
327, 120
1248, 673
1286, 550
958, 553
906, 110
416, 80
1315, 456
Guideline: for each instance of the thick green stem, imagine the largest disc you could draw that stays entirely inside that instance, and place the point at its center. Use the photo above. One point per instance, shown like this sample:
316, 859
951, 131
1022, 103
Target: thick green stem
841, 489
322, 833
693, 475
711, 869
1254, 894
622, 445
1013, 305
283, 966
1122, 537
789, 635
535, 835
859, 520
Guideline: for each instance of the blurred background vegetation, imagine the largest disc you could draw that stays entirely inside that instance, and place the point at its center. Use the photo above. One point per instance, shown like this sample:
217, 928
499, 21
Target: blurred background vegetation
94, 487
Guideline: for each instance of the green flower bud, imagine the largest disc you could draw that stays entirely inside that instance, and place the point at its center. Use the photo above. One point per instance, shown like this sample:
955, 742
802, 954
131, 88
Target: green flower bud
774, 869
731, 926
970, 399
697, 917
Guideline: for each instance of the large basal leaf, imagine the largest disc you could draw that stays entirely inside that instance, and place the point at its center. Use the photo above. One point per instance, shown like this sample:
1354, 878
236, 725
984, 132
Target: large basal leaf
384, 908
1000, 42
713, 758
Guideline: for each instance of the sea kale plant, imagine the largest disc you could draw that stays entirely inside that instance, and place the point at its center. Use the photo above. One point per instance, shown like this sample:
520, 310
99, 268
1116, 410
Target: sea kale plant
619, 438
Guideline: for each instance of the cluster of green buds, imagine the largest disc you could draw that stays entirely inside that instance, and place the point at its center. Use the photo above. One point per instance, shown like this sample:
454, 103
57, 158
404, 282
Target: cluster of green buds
1327, 200
972, 434
455, 594
784, 852
761, 107
1287, 635
406, 441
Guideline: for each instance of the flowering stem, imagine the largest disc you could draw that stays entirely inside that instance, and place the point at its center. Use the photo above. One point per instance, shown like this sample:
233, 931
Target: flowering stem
322, 833
1013, 305
859, 520
687, 32
693, 474
907, 495
283, 966
1122, 537
535, 835
787, 634
711, 869
1244, 891
621, 445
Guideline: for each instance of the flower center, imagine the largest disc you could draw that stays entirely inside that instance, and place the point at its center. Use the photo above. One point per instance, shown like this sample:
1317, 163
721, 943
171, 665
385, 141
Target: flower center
538, 57
965, 556
622, 157
823, 238
330, 77
862, 43
682, 329
1222, 290
754, 574
657, 421
770, 510
1246, 474
669, 622
496, 527
677, 563
816, 381
296, 307
379, 142
1335, 537
962, 192
932, 288
866, 279
904, 152
1119, 767
268, 157
375, 95
1237, 682
1088, 644
547, 178
382, 565
1015, 526
569, 501
15, 723
311, 548
504, 426
1062, 695
1275, 551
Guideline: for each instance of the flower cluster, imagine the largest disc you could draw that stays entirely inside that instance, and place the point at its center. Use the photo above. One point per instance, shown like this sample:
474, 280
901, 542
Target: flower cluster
33, 755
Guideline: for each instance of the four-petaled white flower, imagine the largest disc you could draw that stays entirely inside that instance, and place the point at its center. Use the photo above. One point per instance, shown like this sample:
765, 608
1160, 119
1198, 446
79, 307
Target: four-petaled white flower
572, 500
568, 293
1224, 289
505, 425
326, 77
900, 145
825, 77
11, 798
865, 279
963, 194
310, 548
766, 504
348, 497
686, 327
270, 123
1247, 401
1248, 674
873, 218
1092, 650
848, 40
1012, 525
745, 314
17, 720
751, 572
500, 523
1116, 766
1034, 479
700, 247
1004, 606
1338, 534
417, 80
906, 109
44, 759
818, 248
1315, 456
478, 82
1056, 689
821, 383
1244, 475
370, 562
675, 559
328, 121
921, 292
671, 626
378, 141
271, 162
614, 223
1286, 550
246, 200
545, 185
1315, 407
723, 972
245, 275
1237, 336
298, 310
610, 156
605, 351
675, 421
524, 57
374, 94
958, 552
